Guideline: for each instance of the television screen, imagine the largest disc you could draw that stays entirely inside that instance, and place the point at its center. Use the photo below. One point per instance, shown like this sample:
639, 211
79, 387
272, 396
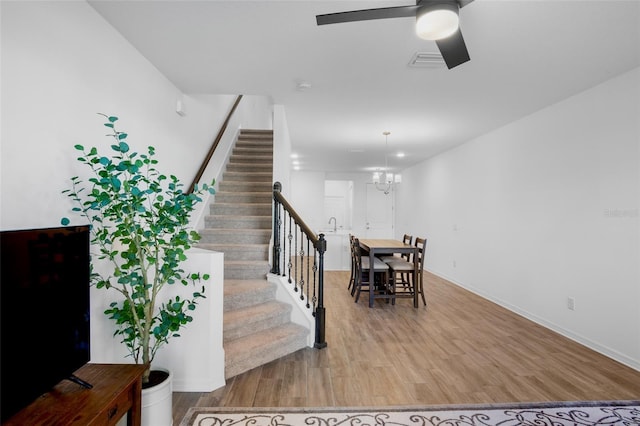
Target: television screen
44, 312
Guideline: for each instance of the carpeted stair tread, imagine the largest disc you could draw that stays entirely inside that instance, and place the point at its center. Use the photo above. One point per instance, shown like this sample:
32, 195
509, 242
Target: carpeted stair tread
244, 186
244, 347
247, 177
243, 158
231, 246
263, 347
249, 167
241, 216
258, 194
242, 150
239, 251
246, 269
247, 205
239, 294
252, 319
250, 236
244, 197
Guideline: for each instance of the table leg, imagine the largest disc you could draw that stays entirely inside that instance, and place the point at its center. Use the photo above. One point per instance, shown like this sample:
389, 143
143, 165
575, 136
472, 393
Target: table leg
372, 256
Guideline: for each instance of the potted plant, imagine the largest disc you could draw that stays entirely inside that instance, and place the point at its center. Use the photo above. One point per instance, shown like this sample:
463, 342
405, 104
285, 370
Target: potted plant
139, 221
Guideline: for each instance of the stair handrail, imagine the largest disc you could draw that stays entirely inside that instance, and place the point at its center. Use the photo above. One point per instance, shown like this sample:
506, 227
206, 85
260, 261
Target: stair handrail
282, 206
216, 141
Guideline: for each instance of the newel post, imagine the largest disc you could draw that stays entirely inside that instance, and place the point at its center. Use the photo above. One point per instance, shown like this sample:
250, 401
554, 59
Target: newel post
320, 325
275, 267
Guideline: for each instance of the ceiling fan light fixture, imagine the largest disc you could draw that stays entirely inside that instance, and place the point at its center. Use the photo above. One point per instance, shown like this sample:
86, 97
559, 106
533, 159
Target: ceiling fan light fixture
437, 20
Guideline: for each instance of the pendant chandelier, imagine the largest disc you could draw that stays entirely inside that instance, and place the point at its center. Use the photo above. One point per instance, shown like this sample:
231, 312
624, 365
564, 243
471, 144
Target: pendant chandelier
384, 180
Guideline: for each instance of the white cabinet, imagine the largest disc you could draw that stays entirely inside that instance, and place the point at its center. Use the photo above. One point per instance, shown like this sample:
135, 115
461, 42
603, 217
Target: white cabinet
337, 256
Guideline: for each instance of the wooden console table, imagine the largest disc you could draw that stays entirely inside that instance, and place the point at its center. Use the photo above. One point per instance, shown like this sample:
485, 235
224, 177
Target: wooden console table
116, 391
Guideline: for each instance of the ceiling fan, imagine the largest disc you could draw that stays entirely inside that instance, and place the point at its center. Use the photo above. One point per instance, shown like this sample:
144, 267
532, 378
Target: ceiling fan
435, 20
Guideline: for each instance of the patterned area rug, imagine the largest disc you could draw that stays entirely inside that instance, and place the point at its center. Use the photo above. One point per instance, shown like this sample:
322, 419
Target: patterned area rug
585, 413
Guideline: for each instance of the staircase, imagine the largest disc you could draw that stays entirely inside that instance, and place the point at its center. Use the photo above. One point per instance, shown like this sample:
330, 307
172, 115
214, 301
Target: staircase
257, 327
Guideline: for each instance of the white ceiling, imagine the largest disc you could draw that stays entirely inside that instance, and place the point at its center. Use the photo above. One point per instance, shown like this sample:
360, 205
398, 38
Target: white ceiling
525, 55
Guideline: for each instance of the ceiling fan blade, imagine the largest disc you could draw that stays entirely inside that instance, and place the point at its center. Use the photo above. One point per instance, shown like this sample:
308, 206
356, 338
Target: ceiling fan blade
453, 49
367, 14
463, 3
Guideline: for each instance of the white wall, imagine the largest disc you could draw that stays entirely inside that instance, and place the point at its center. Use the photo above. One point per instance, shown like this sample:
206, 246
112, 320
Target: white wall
307, 197
256, 112
62, 64
281, 150
542, 210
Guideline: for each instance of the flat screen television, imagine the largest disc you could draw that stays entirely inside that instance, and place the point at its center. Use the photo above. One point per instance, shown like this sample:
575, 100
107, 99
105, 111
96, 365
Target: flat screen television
44, 311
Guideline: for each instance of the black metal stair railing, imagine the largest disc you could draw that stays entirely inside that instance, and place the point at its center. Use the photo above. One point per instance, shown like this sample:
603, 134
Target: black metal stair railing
298, 254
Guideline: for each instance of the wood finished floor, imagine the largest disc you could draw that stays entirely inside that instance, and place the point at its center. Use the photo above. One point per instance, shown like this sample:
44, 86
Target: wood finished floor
460, 349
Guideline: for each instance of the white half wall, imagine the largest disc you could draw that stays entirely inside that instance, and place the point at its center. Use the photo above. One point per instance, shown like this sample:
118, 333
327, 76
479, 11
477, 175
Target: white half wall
543, 210
196, 358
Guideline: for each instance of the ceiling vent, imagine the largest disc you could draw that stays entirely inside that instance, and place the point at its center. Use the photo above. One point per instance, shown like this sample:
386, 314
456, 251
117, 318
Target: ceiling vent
427, 60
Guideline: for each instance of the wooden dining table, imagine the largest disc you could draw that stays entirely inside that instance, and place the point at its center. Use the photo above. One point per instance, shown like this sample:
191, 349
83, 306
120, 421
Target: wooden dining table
378, 247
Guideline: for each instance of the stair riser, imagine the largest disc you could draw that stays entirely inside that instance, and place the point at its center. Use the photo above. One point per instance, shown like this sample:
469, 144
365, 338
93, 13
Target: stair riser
236, 364
231, 222
252, 150
257, 324
244, 167
256, 139
245, 272
247, 177
252, 161
252, 133
244, 197
226, 186
249, 298
241, 209
254, 143
256, 135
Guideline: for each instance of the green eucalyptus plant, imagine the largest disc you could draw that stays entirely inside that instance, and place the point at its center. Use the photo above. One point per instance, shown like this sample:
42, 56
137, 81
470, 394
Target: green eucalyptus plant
139, 224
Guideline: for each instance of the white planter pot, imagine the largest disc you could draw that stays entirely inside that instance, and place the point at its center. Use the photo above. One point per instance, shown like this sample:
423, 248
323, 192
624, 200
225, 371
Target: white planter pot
157, 403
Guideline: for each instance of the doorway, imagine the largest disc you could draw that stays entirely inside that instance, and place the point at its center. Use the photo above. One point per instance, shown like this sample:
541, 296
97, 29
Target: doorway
379, 213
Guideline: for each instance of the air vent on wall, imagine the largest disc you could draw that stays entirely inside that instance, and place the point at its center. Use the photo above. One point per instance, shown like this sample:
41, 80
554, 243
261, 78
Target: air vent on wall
427, 60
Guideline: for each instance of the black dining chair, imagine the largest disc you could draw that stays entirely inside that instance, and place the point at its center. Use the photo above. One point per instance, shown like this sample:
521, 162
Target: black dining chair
352, 277
354, 269
380, 280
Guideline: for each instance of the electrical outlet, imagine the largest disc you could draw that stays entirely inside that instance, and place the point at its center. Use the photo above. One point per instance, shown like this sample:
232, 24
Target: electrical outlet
571, 303
454, 264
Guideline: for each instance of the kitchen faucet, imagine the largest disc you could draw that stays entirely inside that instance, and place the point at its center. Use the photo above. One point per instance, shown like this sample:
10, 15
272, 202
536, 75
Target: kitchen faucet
335, 225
